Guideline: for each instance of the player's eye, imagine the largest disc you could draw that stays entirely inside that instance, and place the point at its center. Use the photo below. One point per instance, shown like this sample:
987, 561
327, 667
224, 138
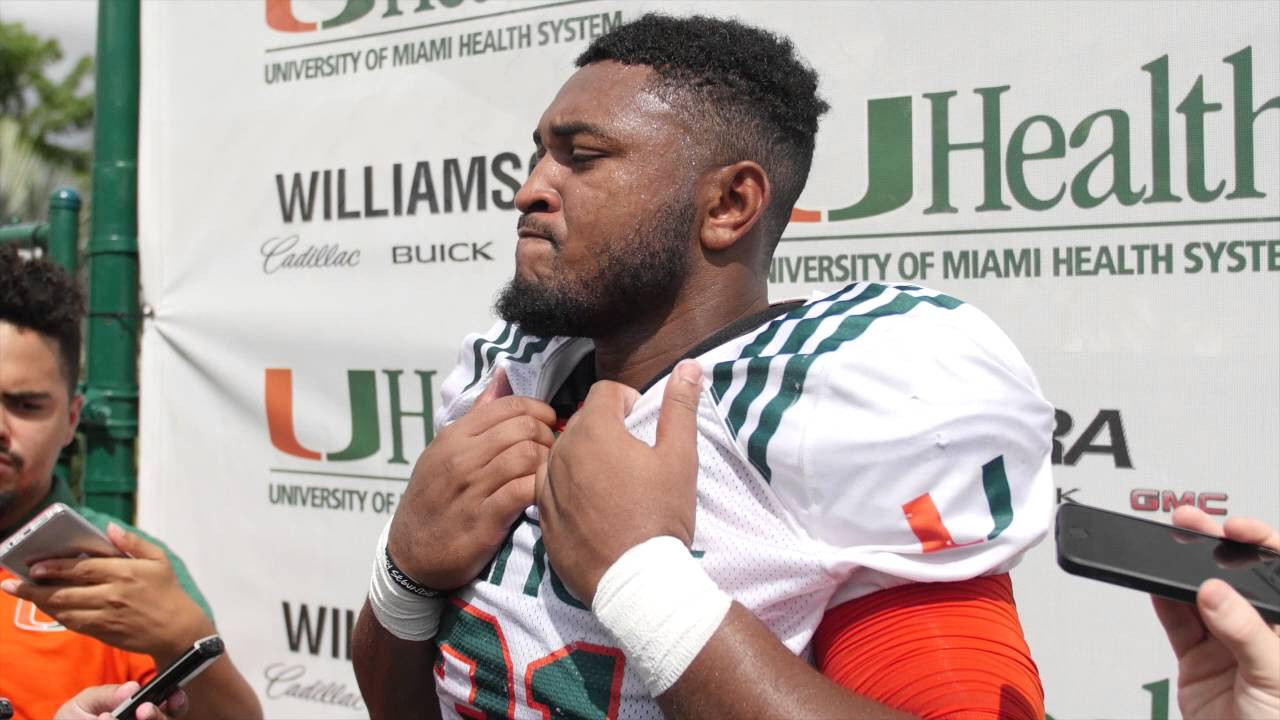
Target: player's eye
584, 157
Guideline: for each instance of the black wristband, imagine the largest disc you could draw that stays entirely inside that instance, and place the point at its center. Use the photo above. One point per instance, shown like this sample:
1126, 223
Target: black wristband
399, 577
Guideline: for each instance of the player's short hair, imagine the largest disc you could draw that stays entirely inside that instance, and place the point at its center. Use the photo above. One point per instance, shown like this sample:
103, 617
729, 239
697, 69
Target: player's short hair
757, 100
38, 295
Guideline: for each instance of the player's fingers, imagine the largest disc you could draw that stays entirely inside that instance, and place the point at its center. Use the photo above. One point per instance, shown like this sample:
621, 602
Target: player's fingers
540, 485
609, 400
1240, 628
509, 501
480, 419
678, 419
1181, 624
475, 442
1193, 518
519, 460
1253, 531
514, 430
510, 449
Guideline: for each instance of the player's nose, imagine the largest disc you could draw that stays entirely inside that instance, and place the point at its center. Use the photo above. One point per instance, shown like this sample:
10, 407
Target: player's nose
538, 193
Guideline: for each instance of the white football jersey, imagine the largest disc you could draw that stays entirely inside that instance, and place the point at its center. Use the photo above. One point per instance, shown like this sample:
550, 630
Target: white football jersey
878, 436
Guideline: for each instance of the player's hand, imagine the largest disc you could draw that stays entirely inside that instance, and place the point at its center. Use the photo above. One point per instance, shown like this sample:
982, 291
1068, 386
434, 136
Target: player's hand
96, 703
603, 491
468, 487
1228, 658
134, 603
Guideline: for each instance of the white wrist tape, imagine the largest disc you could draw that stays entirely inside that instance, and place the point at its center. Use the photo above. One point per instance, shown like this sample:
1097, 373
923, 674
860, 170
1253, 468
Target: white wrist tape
661, 607
402, 613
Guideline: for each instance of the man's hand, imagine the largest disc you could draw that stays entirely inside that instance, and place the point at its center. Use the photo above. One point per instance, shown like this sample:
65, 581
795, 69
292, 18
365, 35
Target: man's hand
134, 603
1228, 658
96, 703
603, 492
473, 480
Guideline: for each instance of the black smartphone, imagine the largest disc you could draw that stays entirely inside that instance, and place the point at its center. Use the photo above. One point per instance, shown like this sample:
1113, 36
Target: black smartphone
1163, 560
172, 678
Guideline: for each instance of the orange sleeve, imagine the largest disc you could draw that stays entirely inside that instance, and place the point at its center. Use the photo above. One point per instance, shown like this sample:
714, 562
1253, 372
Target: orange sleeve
138, 666
937, 650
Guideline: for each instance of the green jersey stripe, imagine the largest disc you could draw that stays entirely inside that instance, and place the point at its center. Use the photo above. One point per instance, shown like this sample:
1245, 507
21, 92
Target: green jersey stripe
757, 368
797, 369
539, 566
487, 351
478, 349
995, 484
722, 373
532, 348
492, 353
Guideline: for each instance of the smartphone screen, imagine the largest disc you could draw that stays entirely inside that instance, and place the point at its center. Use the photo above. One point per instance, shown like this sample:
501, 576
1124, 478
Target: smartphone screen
1163, 560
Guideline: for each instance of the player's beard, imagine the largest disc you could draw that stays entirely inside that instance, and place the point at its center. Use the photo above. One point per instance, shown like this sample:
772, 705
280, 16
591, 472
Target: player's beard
636, 277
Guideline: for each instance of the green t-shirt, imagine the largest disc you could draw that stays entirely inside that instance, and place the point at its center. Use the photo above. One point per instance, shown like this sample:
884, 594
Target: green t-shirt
59, 492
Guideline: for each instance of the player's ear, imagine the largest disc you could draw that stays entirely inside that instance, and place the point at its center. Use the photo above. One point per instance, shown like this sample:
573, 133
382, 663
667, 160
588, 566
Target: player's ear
733, 200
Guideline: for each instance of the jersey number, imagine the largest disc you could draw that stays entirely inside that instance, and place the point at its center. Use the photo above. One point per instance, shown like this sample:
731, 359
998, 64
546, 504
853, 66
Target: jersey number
580, 680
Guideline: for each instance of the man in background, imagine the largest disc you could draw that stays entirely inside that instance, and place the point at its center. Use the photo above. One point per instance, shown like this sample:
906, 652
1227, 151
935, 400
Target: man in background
84, 621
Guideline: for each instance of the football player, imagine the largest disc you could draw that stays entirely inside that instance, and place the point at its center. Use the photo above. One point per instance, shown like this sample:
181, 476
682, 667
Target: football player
812, 507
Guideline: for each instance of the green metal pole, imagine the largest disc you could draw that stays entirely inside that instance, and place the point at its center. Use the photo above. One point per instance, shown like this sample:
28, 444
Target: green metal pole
110, 419
63, 248
64, 229
24, 234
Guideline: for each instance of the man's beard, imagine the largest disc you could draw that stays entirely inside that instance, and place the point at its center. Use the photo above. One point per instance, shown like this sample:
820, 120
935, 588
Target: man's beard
9, 495
8, 500
635, 277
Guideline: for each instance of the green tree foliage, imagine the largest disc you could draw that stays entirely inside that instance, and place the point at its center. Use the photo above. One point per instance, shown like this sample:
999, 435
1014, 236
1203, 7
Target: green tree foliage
44, 108
37, 117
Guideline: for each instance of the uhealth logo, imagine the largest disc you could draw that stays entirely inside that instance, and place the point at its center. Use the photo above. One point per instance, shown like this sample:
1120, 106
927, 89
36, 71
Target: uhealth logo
280, 15
1005, 159
366, 415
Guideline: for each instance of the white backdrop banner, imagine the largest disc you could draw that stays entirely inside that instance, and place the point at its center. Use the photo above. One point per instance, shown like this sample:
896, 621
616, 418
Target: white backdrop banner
327, 194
